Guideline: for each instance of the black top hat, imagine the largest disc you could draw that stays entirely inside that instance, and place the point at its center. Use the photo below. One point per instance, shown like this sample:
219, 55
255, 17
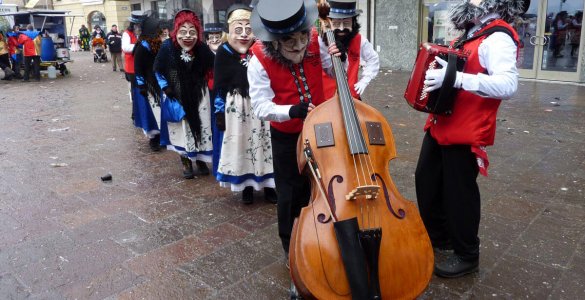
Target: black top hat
136, 17
212, 27
275, 19
341, 9
150, 27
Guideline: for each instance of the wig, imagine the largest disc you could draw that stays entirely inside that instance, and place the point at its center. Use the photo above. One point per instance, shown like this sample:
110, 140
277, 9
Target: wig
182, 17
465, 13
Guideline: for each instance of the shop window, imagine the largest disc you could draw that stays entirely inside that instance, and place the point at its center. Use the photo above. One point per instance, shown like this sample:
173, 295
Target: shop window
437, 27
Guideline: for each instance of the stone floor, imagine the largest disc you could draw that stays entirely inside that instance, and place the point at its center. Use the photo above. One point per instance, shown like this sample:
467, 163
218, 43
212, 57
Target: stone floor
150, 234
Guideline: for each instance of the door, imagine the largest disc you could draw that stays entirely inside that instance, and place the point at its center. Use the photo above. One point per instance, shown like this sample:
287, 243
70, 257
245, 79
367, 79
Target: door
550, 34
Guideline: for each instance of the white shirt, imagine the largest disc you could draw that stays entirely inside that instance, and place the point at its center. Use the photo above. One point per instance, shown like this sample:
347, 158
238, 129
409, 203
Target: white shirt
368, 58
497, 54
127, 45
261, 94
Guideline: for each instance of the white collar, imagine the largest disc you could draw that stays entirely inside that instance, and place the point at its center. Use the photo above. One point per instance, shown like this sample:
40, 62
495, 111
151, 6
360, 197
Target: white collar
482, 21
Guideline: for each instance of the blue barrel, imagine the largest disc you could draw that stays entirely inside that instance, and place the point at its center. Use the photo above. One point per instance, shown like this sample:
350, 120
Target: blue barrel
47, 49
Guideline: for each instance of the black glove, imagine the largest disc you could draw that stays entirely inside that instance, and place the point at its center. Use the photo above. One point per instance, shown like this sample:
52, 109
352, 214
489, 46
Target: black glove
170, 92
299, 111
220, 121
143, 91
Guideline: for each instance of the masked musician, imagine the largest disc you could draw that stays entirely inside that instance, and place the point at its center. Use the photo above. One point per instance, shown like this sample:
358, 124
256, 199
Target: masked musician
355, 49
285, 85
454, 147
182, 67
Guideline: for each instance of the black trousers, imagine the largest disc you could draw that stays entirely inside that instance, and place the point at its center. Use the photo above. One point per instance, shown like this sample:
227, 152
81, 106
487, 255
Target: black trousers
293, 189
448, 196
36, 65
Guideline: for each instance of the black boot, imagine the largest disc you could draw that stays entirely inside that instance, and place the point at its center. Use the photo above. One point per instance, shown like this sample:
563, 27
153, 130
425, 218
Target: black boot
187, 168
154, 143
248, 195
270, 195
202, 168
454, 267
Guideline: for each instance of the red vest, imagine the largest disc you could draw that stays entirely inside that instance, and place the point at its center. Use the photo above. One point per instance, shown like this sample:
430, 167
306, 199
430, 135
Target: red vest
353, 56
129, 56
473, 121
283, 84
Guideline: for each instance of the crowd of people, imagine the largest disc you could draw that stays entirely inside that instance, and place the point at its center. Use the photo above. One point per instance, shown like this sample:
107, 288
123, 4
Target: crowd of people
234, 96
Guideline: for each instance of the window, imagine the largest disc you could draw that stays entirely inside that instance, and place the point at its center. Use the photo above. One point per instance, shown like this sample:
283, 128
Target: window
135, 6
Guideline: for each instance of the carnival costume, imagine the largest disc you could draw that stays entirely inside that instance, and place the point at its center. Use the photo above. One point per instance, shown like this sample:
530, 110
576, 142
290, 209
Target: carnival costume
211, 31
453, 150
246, 154
182, 75
356, 49
147, 113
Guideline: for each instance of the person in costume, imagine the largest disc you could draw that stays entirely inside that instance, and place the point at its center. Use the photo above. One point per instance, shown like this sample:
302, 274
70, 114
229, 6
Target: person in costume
84, 36
129, 39
182, 66
355, 49
148, 112
213, 35
245, 162
285, 85
453, 151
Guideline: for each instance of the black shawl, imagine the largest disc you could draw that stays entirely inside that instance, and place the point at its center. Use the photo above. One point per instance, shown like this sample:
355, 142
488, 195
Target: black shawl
187, 79
143, 66
230, 73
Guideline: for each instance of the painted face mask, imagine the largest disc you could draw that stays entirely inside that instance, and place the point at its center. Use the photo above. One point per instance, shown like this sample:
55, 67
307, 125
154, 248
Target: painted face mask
187, 36
293, 47
213, 41
240, 35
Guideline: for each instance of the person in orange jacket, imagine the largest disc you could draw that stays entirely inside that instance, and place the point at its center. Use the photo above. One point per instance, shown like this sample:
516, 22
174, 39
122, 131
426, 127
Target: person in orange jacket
31, 49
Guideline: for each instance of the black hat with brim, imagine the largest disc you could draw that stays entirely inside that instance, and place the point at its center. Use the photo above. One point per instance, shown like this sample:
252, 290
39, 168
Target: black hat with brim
274, 19
136, 17
150, 27
341, 9
212, 27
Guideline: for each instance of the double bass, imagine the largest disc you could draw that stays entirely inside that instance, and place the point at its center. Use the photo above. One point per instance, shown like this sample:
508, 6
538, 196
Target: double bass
358, 238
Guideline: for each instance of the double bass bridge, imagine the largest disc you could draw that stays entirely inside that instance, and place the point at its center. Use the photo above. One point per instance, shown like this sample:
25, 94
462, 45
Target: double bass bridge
369, 191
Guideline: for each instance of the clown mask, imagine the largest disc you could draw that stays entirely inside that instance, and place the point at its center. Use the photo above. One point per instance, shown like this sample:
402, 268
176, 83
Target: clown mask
293, 47
213, 41
187, 36
240, 35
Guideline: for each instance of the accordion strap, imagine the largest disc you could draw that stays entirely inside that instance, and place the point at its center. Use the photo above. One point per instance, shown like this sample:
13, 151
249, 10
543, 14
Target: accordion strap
449, 80
459, 44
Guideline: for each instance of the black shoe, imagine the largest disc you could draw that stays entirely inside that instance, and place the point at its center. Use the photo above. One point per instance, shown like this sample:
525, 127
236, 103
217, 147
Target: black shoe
113, 70
154, 143
270, 195
202, 168
121, 70
294, 293
248, 195
187, 168
454, 267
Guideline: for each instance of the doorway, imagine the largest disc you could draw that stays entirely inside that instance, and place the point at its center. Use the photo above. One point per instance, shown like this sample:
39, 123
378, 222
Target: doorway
551, 40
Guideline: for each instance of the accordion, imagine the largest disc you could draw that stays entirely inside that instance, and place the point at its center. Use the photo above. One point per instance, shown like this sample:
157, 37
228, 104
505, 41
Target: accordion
439, 101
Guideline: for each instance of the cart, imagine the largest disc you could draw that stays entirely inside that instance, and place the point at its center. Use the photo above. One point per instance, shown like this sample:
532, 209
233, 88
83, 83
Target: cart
54, 22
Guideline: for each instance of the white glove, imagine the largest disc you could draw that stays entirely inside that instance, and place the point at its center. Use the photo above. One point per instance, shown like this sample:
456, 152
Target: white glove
360, 87
434, 78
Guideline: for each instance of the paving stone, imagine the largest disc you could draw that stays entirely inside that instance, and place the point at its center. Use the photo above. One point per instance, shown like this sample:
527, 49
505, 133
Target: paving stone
173, 285
11, 288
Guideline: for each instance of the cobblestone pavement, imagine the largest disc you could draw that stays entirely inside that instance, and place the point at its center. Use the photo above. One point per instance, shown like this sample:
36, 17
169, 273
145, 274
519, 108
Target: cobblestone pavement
150, 234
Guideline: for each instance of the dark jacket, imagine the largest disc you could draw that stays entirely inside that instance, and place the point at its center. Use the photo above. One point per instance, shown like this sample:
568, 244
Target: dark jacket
114, 42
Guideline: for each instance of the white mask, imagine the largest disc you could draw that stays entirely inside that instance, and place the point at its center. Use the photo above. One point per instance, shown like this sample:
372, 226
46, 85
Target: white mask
293, 47
187, 36
240, 35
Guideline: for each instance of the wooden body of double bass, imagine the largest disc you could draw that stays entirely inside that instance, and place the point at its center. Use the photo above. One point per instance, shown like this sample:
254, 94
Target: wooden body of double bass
406, 256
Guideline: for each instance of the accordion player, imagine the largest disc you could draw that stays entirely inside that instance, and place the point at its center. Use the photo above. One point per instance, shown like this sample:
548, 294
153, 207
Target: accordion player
438, 101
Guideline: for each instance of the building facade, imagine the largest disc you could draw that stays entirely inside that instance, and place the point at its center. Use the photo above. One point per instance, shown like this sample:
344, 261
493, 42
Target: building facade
550, 32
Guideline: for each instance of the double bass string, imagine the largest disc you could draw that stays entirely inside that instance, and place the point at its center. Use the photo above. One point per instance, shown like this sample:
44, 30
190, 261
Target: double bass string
346, 100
